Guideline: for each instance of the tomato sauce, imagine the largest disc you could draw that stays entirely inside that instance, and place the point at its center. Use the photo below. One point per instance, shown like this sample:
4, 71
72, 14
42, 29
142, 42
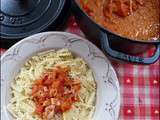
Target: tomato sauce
134, 19
55, 92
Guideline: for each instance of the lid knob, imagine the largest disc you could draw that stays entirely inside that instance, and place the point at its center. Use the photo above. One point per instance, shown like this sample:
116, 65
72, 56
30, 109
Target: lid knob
18, 7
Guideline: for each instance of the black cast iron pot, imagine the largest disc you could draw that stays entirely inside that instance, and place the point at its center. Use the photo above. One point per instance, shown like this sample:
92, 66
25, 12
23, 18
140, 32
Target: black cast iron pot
112, 44
22, 18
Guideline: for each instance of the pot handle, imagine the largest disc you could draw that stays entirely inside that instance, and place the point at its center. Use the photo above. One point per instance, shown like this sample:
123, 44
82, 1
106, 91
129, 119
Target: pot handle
122, 56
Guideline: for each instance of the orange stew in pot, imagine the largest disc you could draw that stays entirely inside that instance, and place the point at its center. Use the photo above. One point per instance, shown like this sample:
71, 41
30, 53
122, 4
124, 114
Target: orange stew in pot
134, 19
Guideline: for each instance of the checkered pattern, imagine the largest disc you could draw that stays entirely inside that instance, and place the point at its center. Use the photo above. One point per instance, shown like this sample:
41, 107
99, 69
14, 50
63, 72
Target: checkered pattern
139, 84
140, 91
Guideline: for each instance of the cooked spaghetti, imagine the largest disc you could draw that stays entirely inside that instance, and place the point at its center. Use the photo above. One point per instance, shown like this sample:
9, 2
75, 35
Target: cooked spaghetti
53, 85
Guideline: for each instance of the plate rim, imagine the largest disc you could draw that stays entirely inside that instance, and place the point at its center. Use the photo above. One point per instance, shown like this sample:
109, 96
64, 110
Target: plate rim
78, 37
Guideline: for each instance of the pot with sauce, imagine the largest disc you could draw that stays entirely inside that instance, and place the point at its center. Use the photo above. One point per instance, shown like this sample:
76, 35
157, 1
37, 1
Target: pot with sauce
124, 28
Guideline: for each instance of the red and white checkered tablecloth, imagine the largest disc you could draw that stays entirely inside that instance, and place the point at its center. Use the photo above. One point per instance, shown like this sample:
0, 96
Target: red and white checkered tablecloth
139, 84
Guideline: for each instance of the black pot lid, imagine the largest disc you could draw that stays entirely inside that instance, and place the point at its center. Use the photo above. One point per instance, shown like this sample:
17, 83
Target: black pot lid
21, 18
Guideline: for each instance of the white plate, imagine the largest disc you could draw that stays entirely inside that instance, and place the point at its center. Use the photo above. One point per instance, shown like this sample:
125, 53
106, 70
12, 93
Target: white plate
108, 92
